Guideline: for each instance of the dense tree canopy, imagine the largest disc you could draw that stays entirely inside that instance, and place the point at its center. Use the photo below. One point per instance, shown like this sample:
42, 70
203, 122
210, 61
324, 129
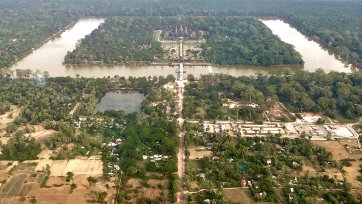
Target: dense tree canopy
119, 40
337, 95
229, 41
234, 41
26, 24
20, 148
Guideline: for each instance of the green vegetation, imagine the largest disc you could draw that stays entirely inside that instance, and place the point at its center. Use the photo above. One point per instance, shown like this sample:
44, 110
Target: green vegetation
20, 148
235, 41
123, 139
229, 41
339, 29
118, 40
336, 95
263, 165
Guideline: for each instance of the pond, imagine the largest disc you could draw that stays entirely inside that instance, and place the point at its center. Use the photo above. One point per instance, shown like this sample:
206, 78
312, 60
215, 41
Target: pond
128, 101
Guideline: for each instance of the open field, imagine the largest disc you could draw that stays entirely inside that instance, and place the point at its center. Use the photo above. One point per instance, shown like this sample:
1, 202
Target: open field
9, 117
91, 167
80, 166
337, 149
13, 186
352, 172
199, 154
24, 185
239, 195
52, 195
41, 133
340, 152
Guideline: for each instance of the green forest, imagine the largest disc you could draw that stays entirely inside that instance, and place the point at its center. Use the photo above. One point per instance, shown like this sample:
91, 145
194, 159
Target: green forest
118, 40
234, 41
334, 94
229, 41
25, 25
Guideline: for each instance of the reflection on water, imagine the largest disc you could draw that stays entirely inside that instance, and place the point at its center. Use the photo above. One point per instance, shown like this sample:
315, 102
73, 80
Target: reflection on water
128, 101
312, 53
51, 55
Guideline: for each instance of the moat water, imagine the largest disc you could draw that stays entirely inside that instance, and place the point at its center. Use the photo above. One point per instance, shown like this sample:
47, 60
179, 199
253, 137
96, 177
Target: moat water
50, 56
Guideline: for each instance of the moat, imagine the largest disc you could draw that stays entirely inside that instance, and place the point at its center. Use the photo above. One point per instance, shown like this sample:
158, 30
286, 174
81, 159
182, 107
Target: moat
50, 56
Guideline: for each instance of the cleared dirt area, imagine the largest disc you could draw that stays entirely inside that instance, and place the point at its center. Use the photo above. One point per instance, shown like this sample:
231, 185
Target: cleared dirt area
351, 146
152, 193
239, 195
41, 133
42, 164
55, 181
337, 149
26, 189
134, 183
91, 167
57, 168
309, 169
9, 117
352, 172
79, 195
52, 195
194, 186
45, 154
4, 140
81, 180
156, 183
199, 154
339, 152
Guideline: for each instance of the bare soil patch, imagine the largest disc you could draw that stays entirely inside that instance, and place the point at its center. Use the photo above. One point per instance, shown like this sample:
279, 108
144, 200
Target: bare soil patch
45, 154
79, 195
156, 183
152, 193
4, 176
91, 167
81, 180
42, 164
41, 133
197, 154
4, 140
352, 172
337, 149
52, 195
134, 183
57, 168
9, 117
26, 189
194, 186
55, 181
238, 195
